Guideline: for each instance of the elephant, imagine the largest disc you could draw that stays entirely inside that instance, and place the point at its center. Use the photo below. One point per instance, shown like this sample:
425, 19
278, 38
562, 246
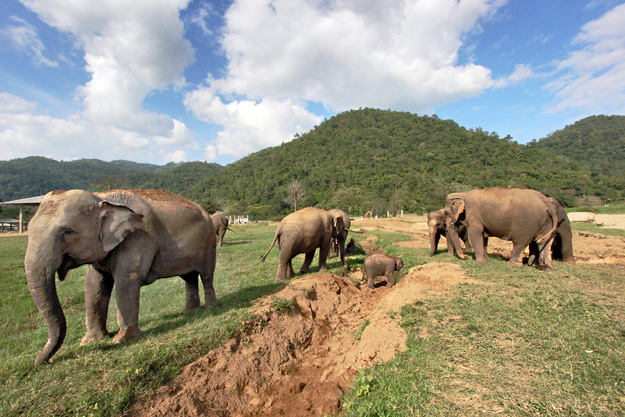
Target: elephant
378, 264
339, 243
519, 215
303, 231
439, 225
220, 223
562, 247
130, 238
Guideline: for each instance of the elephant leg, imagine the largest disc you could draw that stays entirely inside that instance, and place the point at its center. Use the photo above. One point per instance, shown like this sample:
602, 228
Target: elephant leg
132, 263
210, 298
290, 270
285, 269
479, 248
220, 237
192, 292
516, 258
533, 253
98, 289
390, 277
307, 261
323, 257
545, 261
127, 295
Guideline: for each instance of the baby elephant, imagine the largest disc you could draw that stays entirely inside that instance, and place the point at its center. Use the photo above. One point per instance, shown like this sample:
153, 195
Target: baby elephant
377, 265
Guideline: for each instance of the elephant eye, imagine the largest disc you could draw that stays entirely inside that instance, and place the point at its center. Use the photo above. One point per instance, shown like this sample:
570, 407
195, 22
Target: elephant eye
66, 232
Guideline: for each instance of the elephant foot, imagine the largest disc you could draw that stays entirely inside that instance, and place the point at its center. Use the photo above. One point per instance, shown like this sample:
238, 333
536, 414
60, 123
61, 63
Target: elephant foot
305, 270
516, 264
323, 269
480, 261
570, 261
545, 267
93, 336
212, 304
128, 334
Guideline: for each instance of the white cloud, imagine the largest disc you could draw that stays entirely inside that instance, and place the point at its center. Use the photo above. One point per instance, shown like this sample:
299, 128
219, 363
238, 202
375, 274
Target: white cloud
521, 72
592, 78
10, 103
249, 125
24, 36
130, 49
176, 156
344, 54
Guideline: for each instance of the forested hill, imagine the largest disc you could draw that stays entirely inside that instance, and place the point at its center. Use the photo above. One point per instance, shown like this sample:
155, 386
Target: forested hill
597, 140
370, 158
363, 159
32, 176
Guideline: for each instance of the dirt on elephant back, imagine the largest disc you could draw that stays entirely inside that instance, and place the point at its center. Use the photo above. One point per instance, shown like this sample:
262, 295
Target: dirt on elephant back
298, 361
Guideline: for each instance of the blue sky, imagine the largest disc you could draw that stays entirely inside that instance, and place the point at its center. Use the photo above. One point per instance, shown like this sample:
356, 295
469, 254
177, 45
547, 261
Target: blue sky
178, 80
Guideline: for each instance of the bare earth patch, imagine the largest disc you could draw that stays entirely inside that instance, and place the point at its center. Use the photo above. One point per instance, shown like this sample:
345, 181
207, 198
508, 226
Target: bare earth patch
298, 363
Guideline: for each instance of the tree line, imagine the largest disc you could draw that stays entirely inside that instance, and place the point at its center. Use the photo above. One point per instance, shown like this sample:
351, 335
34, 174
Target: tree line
363, 160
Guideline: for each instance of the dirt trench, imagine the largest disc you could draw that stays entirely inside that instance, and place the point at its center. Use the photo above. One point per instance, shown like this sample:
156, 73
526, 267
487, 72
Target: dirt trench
298, 362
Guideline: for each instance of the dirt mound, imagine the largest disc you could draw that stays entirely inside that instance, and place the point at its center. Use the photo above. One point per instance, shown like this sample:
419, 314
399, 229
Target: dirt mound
299, 362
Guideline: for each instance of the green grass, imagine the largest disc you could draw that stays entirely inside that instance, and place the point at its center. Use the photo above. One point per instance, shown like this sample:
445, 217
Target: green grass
594, 228
615, 208
524, 342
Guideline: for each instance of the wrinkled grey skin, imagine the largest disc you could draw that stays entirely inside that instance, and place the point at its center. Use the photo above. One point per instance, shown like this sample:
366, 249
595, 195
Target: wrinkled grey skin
378, 264
519, 215
303, 232
562, 247
220, 223
342, 239
130, 238
439, 225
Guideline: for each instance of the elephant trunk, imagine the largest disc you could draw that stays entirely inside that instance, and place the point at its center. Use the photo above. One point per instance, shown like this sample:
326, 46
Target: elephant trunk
41, 266
354, 231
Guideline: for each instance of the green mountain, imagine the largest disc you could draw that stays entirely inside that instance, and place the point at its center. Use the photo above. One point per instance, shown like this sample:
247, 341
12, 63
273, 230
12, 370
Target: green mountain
596, 140
363, 160
384, 160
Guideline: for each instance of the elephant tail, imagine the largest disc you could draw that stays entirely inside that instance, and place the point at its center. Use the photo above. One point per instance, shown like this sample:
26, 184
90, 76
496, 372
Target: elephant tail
546, 238
262, 258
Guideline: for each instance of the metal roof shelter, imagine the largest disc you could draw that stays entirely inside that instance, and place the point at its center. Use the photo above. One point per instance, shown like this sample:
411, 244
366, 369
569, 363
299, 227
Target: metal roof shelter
30, 201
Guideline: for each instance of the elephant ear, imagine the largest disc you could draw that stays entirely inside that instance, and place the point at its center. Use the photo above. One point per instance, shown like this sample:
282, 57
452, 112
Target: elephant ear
338, 225
456, 205
117, 223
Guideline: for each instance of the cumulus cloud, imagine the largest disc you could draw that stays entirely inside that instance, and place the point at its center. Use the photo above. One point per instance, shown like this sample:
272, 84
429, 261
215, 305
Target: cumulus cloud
349, 54
130, 49
344, 54
248, 125
592, 78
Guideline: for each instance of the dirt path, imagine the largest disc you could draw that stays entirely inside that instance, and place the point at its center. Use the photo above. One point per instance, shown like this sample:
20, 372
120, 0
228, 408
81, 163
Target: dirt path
299, 363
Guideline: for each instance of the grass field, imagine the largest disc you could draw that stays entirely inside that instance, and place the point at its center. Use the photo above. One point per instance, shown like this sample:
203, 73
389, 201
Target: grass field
523, 342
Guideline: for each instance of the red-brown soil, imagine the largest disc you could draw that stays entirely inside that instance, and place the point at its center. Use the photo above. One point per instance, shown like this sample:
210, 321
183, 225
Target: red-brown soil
299, 363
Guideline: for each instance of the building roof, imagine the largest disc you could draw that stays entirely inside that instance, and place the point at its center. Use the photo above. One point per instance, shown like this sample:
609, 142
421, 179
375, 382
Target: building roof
30, 201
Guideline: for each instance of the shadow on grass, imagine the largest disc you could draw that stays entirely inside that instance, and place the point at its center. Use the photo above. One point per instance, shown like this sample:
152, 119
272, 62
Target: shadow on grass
235, 242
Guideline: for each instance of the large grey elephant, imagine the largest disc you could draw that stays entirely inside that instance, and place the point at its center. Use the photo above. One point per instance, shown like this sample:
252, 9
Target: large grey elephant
220, 223
303, 232
562, 247
439, 224
130, 238
519, 215
340, 241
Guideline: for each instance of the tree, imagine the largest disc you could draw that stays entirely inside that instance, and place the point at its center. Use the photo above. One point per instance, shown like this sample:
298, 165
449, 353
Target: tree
295, 193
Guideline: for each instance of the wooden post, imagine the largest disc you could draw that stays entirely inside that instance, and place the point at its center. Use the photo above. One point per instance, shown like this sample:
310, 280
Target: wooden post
21, 229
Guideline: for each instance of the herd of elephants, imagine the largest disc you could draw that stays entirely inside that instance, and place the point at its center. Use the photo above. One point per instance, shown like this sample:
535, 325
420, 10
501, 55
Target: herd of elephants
131, 238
